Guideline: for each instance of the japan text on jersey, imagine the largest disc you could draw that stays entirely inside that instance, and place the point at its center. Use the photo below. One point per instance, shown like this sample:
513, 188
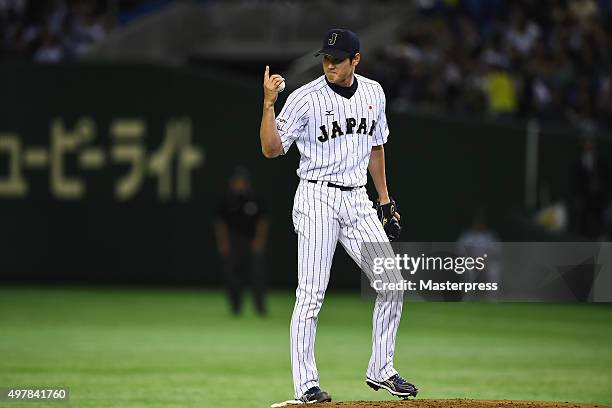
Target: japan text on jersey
334, 134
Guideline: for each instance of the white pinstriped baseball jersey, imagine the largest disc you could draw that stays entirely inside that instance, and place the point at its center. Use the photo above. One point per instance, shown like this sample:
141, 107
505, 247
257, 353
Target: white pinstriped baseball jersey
334, 134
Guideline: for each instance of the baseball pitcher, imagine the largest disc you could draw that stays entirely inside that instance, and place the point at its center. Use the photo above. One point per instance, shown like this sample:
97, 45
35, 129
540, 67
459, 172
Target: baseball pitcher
339, 126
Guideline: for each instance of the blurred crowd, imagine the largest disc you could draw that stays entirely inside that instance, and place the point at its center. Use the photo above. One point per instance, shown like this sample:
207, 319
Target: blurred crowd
51, 31
48, 31
546, 59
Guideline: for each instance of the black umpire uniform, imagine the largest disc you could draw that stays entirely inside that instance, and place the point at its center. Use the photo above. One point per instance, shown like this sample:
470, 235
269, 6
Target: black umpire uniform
241, 232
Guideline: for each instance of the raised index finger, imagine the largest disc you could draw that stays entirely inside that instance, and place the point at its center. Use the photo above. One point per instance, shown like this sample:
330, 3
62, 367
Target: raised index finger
267, 73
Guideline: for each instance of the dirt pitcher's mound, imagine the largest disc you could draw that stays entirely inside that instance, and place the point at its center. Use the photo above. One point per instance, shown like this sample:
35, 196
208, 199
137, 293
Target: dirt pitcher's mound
456, 403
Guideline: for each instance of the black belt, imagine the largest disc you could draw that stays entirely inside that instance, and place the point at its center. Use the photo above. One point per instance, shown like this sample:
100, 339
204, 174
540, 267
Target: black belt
328, 184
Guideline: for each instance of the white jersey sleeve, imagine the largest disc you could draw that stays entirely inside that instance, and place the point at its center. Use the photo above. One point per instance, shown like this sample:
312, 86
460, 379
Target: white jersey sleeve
292, 119
381, 132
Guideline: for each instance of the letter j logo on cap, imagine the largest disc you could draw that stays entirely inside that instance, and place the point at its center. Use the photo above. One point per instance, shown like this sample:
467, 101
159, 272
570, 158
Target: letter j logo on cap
332, 39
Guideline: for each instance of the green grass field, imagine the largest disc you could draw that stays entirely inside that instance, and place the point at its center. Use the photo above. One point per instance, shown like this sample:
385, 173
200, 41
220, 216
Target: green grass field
180, 348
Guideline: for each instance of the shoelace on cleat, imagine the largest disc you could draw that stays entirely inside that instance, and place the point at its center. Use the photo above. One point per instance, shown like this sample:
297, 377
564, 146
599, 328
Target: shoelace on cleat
310, 393
399, 379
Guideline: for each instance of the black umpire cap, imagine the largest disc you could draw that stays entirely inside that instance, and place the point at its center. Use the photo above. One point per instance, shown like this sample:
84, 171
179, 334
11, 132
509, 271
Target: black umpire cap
340, 43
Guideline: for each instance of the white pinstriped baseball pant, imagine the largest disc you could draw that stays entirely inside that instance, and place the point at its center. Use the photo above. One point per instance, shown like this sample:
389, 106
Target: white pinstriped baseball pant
322, 216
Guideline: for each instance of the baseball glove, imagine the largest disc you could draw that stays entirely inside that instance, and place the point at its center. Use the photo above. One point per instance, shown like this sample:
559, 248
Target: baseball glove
391, 225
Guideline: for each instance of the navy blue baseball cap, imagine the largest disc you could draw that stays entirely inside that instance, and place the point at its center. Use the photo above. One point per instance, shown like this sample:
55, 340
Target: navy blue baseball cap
339, 43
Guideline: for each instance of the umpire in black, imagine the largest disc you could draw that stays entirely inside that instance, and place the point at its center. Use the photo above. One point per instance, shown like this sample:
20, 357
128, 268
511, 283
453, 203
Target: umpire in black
241, 231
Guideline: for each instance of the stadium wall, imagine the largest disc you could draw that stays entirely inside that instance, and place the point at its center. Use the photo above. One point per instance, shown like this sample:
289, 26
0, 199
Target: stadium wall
112, 174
